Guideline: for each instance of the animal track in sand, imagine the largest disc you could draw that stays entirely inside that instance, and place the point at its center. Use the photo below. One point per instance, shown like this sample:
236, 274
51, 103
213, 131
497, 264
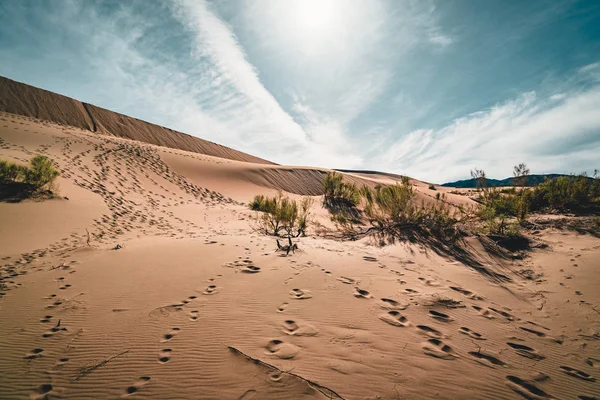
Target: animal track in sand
439, 316
438, 349
33, 354
168, 336
526, 351
211, 289
290, 327
577, 373
65, 286
395, 318
136, 386
410, 291
194, 315
361, 293
466, 331
164, 356
281, 349
369, 258
429, 331
282, 307
345, 280
300, 294
486, 359
526, 389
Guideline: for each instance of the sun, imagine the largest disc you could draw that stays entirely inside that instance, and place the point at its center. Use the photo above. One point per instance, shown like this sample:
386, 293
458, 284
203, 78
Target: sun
313, 15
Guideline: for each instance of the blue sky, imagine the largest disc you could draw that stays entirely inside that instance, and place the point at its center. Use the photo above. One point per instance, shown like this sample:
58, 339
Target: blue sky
430, 89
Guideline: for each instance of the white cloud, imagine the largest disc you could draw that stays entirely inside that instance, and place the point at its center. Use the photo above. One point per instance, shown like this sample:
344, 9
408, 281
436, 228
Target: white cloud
440, 40
548, 136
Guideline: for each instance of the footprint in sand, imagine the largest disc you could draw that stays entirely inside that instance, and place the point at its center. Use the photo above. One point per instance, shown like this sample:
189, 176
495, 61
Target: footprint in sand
42, 391
300, 294
194, 315
33, 354
164, 356
369, 258
136, 386
65, 287
429, 331
62, 361
438, 349
291, 327
467, 293
189, 299
410, 291
345, 280
506, 315
168, 336
250, 269
533, 331
439, 316
46, 319
282, 307
526, 351
593, 362
471, 333
361, 293
55, 329
211, 289
395, 318
281, 349
390, 304
487, 359
526, 389
577, 373
484, 313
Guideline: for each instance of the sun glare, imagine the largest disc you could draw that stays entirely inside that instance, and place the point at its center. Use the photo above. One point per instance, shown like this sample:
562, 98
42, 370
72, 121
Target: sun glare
314, 14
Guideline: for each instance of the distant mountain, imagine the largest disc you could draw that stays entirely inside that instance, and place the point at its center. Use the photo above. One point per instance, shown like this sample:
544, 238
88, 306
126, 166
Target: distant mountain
532, 180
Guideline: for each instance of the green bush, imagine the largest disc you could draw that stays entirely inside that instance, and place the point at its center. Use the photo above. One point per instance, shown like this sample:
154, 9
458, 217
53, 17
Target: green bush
338, 192
281, 216
41, 172
567, 193
11, 172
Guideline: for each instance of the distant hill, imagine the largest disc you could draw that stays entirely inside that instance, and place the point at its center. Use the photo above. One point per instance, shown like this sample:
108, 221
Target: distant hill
532, 180
19, 98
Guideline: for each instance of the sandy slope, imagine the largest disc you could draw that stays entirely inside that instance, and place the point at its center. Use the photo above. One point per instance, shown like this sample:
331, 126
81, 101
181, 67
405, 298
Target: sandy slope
155, 318
29, 101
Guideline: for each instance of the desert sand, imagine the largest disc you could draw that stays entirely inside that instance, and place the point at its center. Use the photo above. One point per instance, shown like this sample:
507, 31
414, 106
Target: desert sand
195, 304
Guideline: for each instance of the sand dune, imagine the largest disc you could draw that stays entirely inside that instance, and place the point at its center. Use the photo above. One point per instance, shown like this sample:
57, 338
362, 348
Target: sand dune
19, 98
194, 296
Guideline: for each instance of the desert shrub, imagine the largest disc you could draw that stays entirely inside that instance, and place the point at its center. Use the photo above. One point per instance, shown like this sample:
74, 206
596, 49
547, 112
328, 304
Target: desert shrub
338, 192
432, 187
281, 216
567, 193
11, 172
394, 209
39, 174
41, 171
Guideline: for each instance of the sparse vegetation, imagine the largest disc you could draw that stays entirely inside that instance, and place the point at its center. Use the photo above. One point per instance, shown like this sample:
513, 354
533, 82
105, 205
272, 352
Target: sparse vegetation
19, 181
339, 193
432, 187
281, 216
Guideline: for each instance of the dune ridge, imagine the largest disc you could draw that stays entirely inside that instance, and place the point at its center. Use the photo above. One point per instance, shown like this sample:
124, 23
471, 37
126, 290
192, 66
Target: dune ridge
22, 99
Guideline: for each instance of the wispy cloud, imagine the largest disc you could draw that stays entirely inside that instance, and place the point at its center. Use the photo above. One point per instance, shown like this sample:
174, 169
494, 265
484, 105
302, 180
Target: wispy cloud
547, 135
